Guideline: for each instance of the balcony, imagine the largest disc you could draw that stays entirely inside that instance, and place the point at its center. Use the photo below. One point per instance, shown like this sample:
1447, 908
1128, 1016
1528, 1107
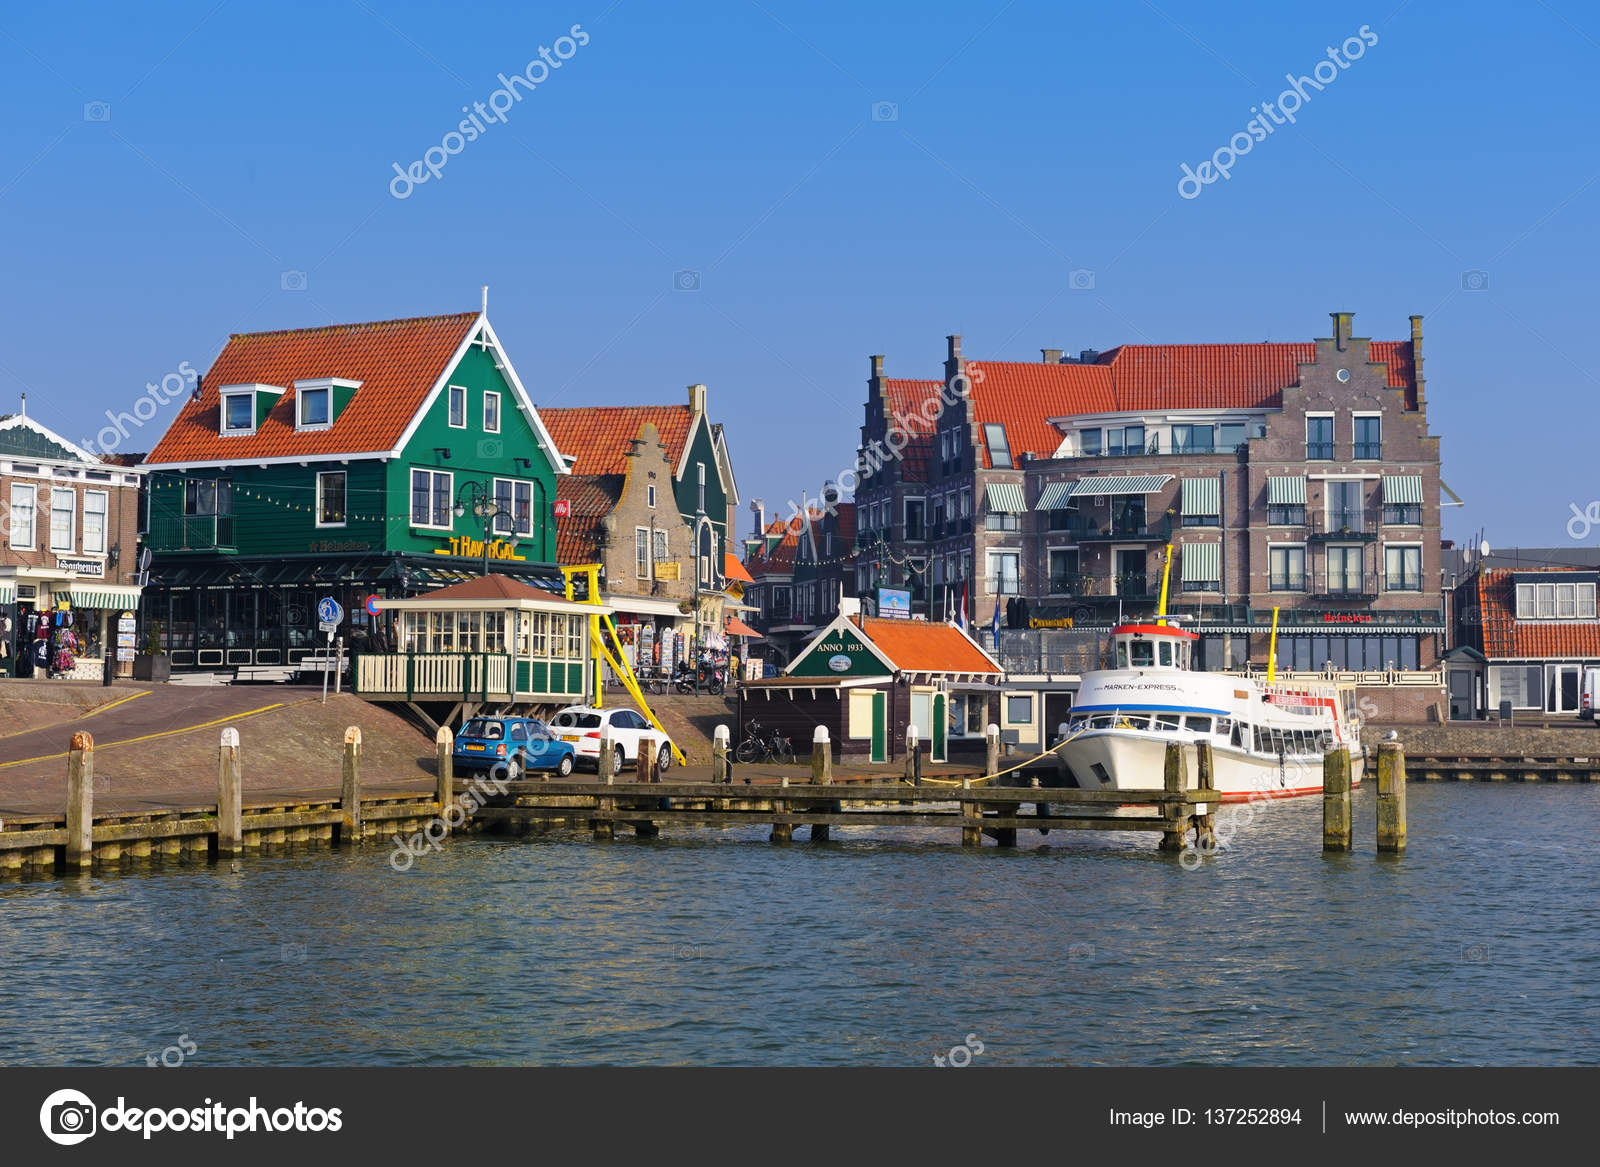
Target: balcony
1286, 515
1367, 451
1071, 583
191, 533
1402, 515
1293, 582
1348, 585
1002, 585
1124, 531
1343, 525
1319, 451
1402, 583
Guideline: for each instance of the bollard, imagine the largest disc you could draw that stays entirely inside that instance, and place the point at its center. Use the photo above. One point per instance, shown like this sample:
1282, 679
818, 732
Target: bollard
1336, 824
721, 759
991, 750
1205, 779
1174, 779
913, 756
645, 763
1391, 796
350, 825
821, 757
230, 796
445, 791
606, 759
80, 803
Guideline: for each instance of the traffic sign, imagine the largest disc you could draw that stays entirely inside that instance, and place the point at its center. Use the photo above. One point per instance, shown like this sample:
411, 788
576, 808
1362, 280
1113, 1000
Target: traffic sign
374, 605
329, 611
328, 626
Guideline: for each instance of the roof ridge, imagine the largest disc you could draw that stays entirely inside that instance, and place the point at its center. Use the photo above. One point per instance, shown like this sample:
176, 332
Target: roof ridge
277, 332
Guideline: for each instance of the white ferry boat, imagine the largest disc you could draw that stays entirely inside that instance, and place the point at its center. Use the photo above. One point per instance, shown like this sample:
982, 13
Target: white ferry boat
1267, 740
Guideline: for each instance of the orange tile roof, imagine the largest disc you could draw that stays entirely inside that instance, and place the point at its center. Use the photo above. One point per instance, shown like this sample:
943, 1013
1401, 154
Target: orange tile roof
1504, 637
1205, 376
488, 587
580, 535
600, 436
1022, 396
906, 399
780, 559
396, 361
922, 646
733, 569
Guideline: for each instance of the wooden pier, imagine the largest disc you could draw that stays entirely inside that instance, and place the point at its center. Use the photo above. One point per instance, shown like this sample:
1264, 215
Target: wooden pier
1496, 767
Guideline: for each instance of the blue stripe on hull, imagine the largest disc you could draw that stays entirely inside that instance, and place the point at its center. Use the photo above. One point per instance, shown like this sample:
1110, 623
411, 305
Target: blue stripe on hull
1148, 709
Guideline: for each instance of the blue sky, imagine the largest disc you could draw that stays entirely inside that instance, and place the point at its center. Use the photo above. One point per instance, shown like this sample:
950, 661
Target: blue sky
738, 141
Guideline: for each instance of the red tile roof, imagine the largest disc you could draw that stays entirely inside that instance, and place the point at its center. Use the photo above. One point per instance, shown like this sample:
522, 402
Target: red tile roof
397, 362
1023, 396
580, 535
906, 401
922, 646
488, 587
600, 436
780, 560
1505, 637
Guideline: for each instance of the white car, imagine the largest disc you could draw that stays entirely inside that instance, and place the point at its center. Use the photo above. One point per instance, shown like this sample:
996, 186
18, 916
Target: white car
582, 725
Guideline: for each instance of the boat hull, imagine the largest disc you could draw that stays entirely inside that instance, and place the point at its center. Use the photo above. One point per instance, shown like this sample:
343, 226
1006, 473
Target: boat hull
1116, 759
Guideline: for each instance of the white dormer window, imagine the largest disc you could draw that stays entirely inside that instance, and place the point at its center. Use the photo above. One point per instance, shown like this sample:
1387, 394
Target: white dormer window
238, 413
318, 402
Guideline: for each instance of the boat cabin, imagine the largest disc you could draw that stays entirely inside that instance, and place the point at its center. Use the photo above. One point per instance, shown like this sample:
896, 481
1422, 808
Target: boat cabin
1151, 646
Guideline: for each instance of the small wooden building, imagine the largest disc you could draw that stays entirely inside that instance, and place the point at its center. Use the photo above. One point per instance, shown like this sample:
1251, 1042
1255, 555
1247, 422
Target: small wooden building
868, 680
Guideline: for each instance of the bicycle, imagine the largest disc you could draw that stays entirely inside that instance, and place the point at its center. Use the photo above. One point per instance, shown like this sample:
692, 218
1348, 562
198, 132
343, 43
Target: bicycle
755, 748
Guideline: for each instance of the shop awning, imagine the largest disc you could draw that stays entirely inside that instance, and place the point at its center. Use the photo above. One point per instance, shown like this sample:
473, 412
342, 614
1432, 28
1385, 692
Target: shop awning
737, 627
8, 593
104, 597
1005, 497
1201, 562
1122, 484
1202, 496
1286, 492
1402, 489
733, 569
645, 606
1054, 497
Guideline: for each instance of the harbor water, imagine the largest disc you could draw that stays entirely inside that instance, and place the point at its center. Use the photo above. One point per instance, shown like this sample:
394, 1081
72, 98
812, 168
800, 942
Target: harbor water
1478, 946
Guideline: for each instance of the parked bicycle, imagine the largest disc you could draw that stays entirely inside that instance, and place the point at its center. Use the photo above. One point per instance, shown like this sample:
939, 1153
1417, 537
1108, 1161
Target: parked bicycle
773, 747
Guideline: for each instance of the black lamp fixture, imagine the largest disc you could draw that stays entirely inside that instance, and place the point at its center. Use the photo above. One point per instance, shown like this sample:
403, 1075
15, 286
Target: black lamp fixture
442, 452
525, 463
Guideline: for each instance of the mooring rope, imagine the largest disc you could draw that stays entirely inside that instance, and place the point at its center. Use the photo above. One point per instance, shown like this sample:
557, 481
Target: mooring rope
1000, 773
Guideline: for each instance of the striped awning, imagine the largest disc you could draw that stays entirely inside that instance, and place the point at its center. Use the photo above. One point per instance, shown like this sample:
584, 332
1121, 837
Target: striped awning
1123, 484
1054, 497
8, 593
1202, 496
1006, 497
1289, 492
1202, 562
107, 597
1402, 489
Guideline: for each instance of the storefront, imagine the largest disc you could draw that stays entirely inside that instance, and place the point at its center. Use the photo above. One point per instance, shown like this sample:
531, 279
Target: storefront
56, 624
1310, 640
655, 633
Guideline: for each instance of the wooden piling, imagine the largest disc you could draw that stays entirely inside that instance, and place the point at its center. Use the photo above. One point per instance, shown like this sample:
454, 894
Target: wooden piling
606, 759
230, 795
1391, 797
971, 819
1205, 779
645, 763
781, 832
80, 803
1174, 779
721, 759
350, 824
445, 787
991, 749
913, 756
821, 757
1337, 833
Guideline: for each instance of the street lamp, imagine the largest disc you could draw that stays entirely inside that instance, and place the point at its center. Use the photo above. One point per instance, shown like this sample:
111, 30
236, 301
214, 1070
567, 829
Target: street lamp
482, 503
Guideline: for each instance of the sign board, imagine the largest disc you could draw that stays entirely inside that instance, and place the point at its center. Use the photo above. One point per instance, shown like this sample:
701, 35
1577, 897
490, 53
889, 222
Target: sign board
124, 640
329, 626
563, 508
894, 603
124, 654
329, 611
126, 624
87, 568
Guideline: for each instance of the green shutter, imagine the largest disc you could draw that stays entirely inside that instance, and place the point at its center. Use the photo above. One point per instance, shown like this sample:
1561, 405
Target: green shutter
880, 728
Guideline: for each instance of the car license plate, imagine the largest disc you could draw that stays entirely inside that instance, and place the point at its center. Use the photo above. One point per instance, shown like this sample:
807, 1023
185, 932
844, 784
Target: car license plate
479, 749
566, 738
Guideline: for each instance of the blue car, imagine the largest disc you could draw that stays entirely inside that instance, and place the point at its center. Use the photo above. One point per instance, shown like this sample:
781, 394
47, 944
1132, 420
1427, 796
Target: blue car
518, 744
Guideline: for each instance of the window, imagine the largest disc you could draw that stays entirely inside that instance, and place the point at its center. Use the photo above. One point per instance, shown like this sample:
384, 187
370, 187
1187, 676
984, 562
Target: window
63, 519
1556, 601
966, 501
1319, 438
1344, 506
458, 407
1402, 569
1231, 435
316, 408
1280, 514
1344, 571
1369, 438
641, 552
650, 496
95, 505
914, 508
491, 413
430, 499
1522, 685
700, 468
1286, 568
999, 452
238, 413
1193, 439
661, 552
1089, 443
1019, 710
1125, 440
330, 498
208, 496
1063, 571
1001, 521
24, 502
1003, 573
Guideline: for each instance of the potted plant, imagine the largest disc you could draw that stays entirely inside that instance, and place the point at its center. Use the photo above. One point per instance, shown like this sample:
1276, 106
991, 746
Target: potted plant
153, 664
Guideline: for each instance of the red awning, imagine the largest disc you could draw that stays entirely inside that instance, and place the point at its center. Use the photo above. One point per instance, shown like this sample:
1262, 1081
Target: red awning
733, 569
737, 627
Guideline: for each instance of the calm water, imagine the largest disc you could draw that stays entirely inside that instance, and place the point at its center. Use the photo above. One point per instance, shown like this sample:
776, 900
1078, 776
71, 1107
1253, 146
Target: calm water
1480, 946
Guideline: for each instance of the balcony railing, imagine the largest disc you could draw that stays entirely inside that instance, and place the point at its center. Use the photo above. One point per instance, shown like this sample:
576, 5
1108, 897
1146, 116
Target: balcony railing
1286, 515
421, 676
1402, 583
1291, 582
1123, 530
1367, 451
1070, 583
1343, 524
1402, 515
1349, 584
191, 533
1319, 451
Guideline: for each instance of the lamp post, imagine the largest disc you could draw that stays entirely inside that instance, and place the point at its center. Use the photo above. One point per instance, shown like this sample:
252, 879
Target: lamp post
481, 502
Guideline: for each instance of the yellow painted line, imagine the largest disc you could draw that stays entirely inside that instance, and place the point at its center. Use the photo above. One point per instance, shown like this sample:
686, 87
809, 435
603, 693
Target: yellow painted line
114, 704
150, 737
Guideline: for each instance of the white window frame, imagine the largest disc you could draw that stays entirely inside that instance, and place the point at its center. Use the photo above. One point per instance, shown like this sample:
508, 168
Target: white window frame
324, 474
1305, 566
1333, 431
661, 552
24, 500
450, 392
71, 544
228, 431
301, 396
641, 553
488, 396
450, 492
104, 499
650, 496
1387, 547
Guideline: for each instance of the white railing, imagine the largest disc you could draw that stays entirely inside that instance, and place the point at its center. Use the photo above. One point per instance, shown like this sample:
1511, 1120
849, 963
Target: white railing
433, 674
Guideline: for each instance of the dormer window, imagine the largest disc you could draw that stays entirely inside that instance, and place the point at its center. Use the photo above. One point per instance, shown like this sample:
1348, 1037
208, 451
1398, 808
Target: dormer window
245, 407
318, 403
316, 408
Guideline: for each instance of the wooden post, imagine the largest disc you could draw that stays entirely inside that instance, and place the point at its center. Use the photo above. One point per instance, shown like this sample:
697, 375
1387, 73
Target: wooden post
913, 756
1336, 824
721, 759
971, 819
445, 791
230, 795
645, 763
350, 824
1391, 796
606, 759
781, 832
604, 829
821, 757
1174, 779
991, 749
80, 803
1205, 779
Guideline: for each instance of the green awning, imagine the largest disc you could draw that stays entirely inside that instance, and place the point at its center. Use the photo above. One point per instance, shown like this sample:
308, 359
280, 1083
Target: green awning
105, 598
1402, 489
1006, 497
1123, 484
1286, 492
8, 593
1202, 496
1201, 562
1054, 497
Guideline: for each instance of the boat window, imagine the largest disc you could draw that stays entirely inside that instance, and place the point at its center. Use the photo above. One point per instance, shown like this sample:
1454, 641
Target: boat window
1144, 654
1122, 654
1101, 721
1260, 740
1224, 726
1167, 722
1166, 652
1198, 724
1239, 732
1135, 721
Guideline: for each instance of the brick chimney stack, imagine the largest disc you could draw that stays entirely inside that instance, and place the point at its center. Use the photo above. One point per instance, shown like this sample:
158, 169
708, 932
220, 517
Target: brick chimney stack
1416, 357
697, 398
1343, 323
1050, 356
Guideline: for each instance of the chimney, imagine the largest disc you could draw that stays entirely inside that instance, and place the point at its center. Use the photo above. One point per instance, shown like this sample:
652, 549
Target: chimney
1088, 356
758, 508
1342, 324
24, 405
697, 398
954, 342
1050, 356
1416, 358
877, 365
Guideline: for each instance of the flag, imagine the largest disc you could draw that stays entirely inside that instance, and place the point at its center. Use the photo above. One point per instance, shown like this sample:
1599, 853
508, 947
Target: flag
961, 618
994, 625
